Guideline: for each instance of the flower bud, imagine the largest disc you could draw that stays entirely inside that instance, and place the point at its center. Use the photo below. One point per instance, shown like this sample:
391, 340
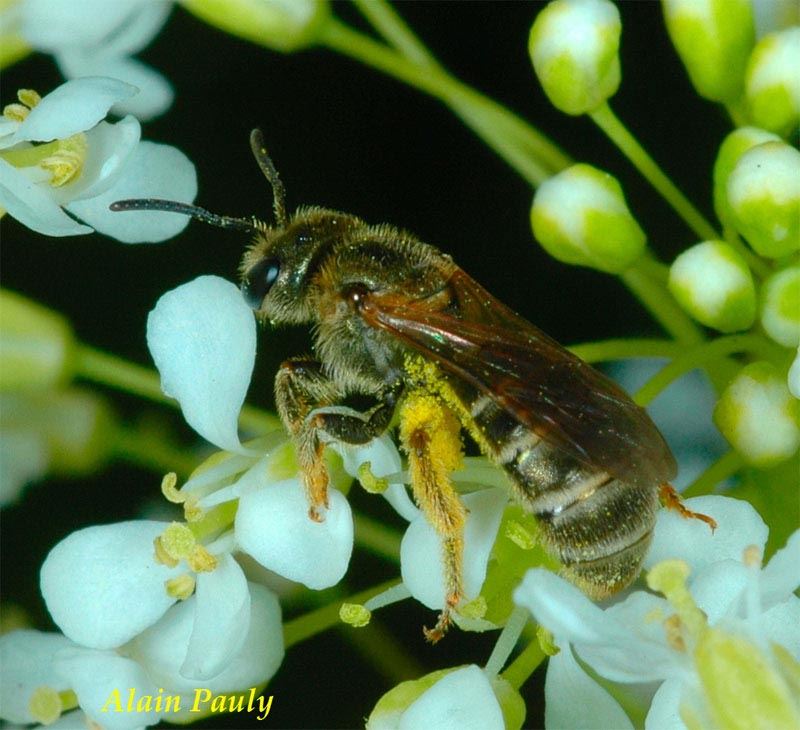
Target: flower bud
764, 197
731, 149
772, 82
283, 25
574, 48
36, 345
580, 217
714, 39
780, 308
758, 415
713, 284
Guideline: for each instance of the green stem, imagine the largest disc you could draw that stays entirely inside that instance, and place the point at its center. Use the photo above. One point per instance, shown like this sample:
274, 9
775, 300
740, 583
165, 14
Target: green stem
759, 266
507, 640
723, 468
616, 131
525, 664
383, 17
621, 349
529, 152
377, 537
702, 354
659, 302
115, 372
321, 619
391, 659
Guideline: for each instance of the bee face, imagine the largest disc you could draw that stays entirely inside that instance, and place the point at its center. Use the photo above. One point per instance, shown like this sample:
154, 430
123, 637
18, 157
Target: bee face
279, 269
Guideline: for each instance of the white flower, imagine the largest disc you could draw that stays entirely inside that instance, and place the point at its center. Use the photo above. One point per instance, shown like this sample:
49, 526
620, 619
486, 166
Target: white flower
80, 164
38, 665
646, 638
99, 38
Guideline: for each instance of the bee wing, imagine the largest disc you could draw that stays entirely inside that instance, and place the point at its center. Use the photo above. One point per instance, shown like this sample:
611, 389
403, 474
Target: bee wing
565, 401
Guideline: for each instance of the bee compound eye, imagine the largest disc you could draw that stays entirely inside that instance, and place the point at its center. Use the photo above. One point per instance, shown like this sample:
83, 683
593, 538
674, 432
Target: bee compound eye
259, 280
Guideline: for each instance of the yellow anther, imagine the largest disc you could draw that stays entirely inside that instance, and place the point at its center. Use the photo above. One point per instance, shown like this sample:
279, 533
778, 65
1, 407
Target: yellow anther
66, 163
169, 488
181, 587
177, 541
520, 535
476, 608
355, 615
201, 560
673, 628
546, 641
751, 556
29, 97
669, 577
162, 556
45, 705
192, 510
371, 483
16, 112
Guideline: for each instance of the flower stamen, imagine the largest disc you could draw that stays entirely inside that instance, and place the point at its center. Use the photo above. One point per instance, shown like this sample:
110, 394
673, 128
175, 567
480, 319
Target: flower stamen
66, 163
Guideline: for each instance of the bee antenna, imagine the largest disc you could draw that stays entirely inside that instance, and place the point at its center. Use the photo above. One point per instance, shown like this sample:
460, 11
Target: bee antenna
193, 211
268, 168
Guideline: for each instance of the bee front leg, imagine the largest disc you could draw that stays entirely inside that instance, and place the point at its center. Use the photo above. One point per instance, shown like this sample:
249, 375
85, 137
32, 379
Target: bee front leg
306, 398
431, 437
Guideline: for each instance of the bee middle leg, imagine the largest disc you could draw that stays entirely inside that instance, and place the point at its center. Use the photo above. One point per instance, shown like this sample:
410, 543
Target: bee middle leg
431, 437
306, 400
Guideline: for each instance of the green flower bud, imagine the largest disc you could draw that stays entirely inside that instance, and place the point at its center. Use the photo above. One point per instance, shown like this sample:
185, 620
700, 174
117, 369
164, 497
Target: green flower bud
731, 149
780, 308
580, 217
574, 48
714, 39
758, 415
713, 284
36, 345
772, 82
764, 197
283, 25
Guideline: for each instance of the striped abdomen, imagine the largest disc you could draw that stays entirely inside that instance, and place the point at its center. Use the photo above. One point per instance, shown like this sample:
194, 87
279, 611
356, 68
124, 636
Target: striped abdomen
597, 526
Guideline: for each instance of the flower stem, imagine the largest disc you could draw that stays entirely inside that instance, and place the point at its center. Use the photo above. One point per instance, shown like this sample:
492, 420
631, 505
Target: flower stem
321, 619
616, 131
377, 537
659, 302
385, 19
116, 372
619, 349
699, 356
528, 151
723, 468
758, 265
524, 665
153, 451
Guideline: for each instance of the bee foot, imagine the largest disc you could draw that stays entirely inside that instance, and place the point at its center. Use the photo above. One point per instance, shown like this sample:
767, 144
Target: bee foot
672, 500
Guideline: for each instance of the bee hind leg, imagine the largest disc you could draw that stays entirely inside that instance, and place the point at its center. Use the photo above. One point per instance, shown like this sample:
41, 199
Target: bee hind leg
671, 499
430, 437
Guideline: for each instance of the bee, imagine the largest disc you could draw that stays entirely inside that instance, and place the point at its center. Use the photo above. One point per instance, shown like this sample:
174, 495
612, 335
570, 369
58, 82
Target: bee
395, 319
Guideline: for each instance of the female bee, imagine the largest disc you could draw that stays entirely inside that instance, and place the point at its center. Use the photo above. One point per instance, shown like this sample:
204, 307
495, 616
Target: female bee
396, 319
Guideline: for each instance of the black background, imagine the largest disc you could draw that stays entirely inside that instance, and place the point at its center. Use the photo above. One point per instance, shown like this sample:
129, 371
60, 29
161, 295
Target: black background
346, 137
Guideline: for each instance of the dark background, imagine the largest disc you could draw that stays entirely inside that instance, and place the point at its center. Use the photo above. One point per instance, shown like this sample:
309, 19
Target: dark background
347, 137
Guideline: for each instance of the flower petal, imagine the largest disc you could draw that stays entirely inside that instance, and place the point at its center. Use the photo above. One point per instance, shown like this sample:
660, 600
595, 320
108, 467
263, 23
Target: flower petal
273, 526
461, 700
73, 107
26, 658
575, 700
155, 92
781, 625
424, 576
24, 457
152, 171
110, 147
30, 204
719, 587
738, 526
202, 336
664, 713
102, 584
222, 617
104, 679
781, 576
162, 647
